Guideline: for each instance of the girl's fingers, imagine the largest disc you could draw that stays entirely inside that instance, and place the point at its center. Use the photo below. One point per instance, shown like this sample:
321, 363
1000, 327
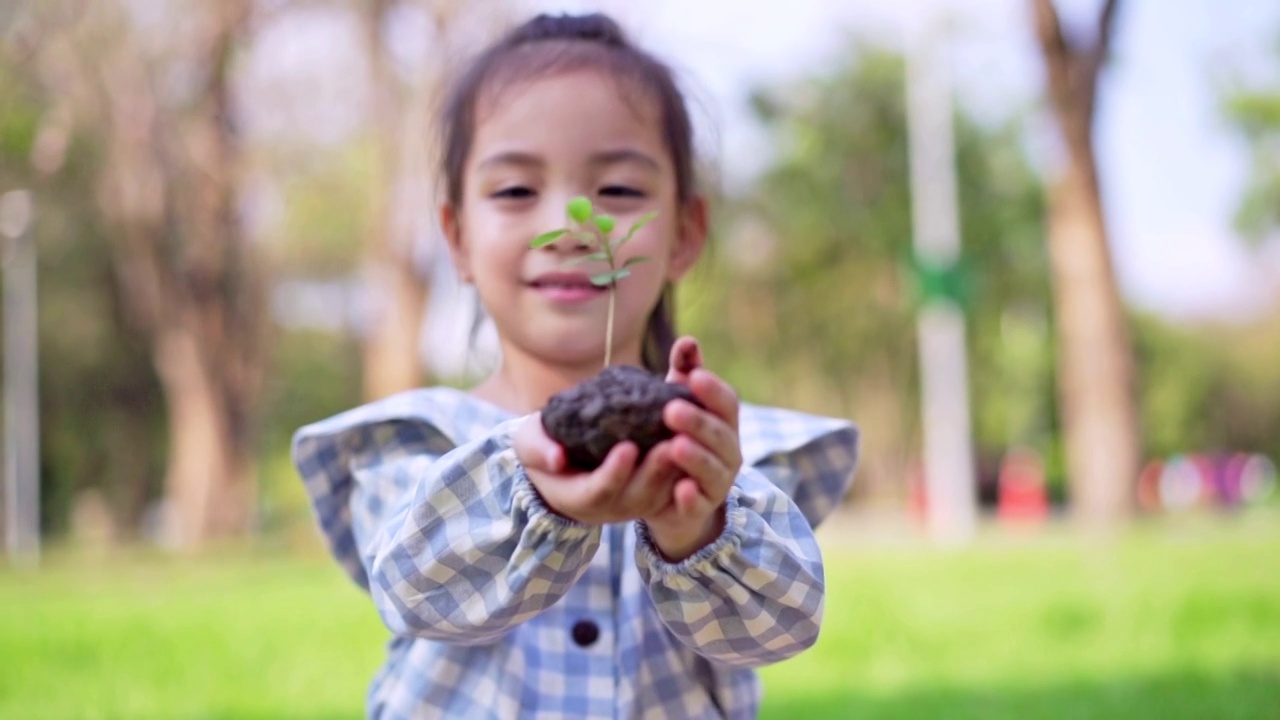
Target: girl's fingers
686, 357
705, 428
607, 482
690, 501
535, 449
716, 395
702, 465
649, 490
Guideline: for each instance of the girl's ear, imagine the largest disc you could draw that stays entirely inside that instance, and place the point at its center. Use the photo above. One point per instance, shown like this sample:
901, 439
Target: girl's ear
452, 227
691, 238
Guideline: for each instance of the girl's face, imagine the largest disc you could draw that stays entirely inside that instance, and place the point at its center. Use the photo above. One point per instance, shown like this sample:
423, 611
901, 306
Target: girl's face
536, 146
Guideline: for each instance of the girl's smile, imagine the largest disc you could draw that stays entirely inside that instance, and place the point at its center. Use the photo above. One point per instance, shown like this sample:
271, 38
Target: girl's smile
567, 288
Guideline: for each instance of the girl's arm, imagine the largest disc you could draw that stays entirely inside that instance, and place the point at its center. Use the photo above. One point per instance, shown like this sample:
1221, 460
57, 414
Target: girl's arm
754, 596
473, 551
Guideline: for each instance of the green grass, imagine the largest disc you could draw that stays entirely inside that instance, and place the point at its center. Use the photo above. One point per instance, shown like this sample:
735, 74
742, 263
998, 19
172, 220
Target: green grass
1170, 623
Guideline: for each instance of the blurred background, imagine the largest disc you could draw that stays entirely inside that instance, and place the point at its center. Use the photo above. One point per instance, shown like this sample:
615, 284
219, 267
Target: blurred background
1030, 247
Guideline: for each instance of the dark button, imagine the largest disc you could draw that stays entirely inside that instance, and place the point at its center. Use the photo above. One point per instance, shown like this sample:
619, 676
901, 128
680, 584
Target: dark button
585, 633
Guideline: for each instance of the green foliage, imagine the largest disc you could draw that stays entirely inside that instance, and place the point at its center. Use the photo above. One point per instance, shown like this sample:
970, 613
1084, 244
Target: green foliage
1171, 623
609, 278
326, 211
579, 210
547, 238
814, 284
604, 223
313, 376
595, 229
101, 410
1210, 388
639, 223
19, 116
1255, 112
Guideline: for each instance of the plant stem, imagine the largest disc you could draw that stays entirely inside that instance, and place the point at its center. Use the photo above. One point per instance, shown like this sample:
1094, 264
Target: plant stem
608, 332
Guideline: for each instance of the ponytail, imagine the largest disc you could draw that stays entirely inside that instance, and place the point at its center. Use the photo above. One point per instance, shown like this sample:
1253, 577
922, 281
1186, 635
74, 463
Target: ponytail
660, 333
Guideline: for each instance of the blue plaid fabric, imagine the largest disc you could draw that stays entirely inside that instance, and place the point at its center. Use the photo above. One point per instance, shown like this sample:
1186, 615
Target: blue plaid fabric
501, 609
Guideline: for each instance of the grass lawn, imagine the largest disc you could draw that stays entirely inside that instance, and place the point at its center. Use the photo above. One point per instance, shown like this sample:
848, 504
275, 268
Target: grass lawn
1173, 622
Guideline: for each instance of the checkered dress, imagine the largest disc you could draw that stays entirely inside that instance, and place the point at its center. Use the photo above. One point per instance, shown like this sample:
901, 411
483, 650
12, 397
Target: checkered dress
501, 609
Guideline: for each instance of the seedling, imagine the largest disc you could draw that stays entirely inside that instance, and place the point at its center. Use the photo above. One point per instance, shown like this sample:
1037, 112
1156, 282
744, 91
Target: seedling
596, 230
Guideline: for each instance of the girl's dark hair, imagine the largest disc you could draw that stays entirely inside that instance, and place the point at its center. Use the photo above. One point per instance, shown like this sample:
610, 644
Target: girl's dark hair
550, 44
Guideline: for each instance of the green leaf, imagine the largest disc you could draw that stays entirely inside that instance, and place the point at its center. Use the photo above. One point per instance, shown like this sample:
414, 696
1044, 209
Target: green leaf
635, 261
579, 209
641, 222
609, 278
606, 223
593, 257
547, 238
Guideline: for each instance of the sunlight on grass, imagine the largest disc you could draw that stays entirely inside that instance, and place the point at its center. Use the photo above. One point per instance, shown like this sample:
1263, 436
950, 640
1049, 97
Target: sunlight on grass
1171, 623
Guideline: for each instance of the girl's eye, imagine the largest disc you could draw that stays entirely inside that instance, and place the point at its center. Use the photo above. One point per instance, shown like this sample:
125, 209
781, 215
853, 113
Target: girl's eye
621, 191
516, 192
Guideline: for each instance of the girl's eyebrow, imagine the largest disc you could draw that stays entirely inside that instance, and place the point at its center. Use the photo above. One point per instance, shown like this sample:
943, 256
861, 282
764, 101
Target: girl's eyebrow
511, 157
610, 157
606, 157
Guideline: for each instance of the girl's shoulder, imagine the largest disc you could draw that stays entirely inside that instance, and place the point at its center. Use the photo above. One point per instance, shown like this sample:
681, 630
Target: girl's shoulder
328, 455
809, 457
767, 432
449, 412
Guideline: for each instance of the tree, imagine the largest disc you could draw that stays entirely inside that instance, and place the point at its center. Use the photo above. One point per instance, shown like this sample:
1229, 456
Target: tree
808, 303
168, 184
101, 409
402, 195
1095, 358
1255, 113
392, 361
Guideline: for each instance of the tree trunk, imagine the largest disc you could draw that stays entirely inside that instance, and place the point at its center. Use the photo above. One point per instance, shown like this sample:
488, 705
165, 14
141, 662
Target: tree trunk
209, 488
210, 352
1095, 358
1095, 363
392, 358
185, 270
398, 290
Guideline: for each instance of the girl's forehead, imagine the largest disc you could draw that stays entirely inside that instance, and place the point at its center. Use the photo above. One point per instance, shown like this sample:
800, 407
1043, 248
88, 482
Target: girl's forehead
568, 109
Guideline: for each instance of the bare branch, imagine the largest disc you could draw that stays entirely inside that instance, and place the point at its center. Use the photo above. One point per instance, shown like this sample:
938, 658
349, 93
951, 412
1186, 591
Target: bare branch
1058, 55
1106, 26
1097, 57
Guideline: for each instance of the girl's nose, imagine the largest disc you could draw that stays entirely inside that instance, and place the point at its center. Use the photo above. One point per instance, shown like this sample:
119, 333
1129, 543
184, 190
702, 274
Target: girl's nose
572, 241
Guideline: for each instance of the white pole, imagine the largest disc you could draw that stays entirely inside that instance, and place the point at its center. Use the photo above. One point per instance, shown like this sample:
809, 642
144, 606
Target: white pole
21, 408
944, 387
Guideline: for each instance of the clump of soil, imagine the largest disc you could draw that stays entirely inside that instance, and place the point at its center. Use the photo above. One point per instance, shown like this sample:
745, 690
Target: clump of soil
620, 403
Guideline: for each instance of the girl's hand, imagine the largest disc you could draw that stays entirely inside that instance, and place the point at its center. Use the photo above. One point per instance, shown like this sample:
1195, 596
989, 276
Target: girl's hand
706, 451
617, 491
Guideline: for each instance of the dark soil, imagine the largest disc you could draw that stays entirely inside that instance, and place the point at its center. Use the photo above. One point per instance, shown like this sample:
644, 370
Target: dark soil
620, 403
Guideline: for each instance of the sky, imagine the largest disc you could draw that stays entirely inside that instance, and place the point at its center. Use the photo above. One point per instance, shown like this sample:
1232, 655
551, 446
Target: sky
1171, 168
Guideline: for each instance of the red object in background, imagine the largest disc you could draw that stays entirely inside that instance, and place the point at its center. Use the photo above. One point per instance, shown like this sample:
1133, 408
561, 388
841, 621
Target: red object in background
918, 495
1148, 494
1024, 497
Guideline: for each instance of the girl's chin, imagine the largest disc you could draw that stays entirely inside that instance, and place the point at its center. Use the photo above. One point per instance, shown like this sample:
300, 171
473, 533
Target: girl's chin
576, 351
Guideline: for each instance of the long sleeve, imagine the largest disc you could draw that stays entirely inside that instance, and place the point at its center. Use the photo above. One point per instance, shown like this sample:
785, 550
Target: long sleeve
472, 551
810, 458
752, 597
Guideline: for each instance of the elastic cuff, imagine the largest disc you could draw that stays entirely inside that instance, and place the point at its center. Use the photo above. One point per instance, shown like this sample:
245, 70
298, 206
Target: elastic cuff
729, 540
541, 516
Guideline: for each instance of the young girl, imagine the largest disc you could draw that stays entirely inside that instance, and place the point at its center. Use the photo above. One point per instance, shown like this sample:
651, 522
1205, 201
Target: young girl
513, 585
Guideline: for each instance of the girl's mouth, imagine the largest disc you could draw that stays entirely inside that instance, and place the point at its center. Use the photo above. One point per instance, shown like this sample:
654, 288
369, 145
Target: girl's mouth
566, 287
